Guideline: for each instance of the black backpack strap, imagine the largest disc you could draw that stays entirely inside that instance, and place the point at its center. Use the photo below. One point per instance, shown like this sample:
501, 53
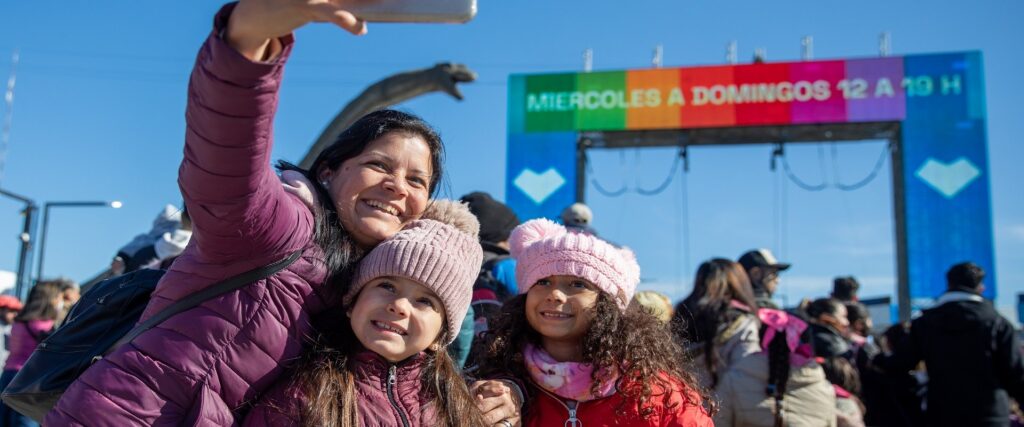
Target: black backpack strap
208, 293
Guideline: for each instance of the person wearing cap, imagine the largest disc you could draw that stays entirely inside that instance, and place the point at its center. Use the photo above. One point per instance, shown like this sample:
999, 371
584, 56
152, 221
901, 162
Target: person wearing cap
972, 355
763, 270
9, 308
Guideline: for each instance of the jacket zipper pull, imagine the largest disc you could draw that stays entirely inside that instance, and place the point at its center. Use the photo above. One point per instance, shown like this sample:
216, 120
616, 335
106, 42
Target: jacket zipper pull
392, 375
572, 421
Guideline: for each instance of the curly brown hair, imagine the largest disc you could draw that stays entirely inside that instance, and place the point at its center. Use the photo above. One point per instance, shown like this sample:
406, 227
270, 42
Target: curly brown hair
640, 346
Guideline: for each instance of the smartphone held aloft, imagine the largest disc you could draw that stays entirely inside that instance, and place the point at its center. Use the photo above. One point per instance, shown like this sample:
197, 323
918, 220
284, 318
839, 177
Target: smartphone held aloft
440, 11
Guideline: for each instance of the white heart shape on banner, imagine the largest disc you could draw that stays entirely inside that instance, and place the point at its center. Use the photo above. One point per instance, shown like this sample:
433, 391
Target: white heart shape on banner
538, 187
948, 179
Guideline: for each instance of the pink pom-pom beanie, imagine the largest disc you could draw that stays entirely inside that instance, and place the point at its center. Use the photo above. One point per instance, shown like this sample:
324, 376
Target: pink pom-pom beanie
441, 251
543, 249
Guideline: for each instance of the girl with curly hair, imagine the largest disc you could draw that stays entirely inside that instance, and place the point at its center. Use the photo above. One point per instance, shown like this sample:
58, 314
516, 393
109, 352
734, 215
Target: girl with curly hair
588, 357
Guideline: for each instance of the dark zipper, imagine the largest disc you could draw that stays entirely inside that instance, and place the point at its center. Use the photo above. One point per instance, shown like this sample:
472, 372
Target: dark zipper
392, 380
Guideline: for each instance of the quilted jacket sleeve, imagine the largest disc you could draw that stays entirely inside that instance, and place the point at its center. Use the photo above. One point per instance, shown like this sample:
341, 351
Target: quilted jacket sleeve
238, 207
281, 406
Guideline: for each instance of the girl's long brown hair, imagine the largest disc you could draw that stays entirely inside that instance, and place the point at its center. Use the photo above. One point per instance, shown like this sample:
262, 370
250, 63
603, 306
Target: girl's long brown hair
325, 377
709, 307
636, 343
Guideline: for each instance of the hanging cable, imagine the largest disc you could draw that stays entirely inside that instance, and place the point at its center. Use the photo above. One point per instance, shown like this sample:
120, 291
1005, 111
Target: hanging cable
792, 177
668, 179
642, 191
597, 185
886, 150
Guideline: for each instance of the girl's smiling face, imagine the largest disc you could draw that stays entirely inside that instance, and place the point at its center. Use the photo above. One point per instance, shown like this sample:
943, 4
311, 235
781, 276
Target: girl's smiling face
559, 308
396, 317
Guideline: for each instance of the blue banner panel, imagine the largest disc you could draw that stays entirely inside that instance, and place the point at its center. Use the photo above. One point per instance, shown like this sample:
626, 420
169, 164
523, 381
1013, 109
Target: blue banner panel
945, 172
1020, 308
540, 176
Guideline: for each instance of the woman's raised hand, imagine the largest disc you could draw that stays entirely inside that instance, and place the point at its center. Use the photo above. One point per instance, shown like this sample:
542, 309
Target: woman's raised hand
256, 25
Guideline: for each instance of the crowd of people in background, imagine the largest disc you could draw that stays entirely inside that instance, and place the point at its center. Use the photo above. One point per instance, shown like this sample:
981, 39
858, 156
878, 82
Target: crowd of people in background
398, 309
735, 355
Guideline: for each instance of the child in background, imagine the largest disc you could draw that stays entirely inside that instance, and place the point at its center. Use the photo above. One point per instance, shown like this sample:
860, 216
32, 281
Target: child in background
30, 327
406, 304
590, 357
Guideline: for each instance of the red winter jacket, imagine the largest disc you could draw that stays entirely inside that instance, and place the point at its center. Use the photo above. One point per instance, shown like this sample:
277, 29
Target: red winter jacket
670, 409
205, 365
389, 395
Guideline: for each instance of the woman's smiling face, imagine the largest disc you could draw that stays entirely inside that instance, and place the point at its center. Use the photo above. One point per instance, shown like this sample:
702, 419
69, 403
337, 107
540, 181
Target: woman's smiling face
560, 308
380, 190
396, 317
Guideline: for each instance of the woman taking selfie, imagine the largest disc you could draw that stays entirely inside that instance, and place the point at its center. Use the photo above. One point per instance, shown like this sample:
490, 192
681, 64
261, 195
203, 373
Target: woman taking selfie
207, 365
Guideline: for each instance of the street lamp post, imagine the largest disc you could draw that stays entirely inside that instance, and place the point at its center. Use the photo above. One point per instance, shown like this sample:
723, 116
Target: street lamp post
46, 221
26, 238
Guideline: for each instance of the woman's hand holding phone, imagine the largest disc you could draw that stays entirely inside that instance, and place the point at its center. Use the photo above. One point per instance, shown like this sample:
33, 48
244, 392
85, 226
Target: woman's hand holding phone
256, 25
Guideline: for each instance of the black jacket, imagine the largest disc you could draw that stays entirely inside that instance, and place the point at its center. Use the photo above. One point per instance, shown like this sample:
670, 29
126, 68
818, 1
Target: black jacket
973, 360
828, 342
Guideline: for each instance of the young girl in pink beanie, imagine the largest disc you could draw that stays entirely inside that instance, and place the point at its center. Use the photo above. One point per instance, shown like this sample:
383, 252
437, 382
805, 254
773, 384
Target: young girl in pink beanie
406, 304
588, 356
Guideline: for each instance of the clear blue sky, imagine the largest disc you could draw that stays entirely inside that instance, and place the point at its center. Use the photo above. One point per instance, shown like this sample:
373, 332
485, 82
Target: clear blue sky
101, 88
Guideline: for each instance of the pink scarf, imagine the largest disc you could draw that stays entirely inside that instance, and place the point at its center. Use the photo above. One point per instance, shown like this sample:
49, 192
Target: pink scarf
569, 380
778, 321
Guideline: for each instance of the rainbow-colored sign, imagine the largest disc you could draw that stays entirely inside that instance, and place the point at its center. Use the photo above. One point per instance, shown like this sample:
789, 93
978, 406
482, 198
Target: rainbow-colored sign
836, 91
940, 169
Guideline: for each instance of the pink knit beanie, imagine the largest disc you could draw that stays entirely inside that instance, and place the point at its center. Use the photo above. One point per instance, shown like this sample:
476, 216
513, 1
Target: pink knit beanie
544, 249
440, 250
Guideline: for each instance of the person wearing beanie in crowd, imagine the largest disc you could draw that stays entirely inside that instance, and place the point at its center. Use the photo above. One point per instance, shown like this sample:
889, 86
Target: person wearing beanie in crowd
972, 355
9, 308
720, 319
782, 385
578, 218
844, 288
763, 270
589, 357
405, 306
496, 281
140, 252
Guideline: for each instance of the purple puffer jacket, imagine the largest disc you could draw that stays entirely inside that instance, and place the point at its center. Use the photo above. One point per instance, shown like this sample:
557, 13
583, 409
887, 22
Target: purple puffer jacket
390, 395
206, 365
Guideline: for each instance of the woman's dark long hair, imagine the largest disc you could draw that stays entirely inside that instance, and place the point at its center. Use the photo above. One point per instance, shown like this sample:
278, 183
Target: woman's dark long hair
40, 304
778, 370
325, 377
709, 307
636, 343
341, 253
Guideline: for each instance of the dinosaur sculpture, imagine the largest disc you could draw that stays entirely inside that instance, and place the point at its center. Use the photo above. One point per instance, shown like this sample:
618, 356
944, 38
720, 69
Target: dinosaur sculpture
442, 77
